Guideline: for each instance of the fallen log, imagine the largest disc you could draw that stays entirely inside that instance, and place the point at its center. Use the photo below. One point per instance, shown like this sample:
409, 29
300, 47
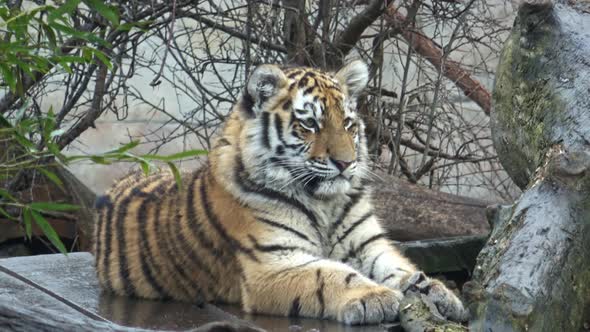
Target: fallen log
534, 272
409, 212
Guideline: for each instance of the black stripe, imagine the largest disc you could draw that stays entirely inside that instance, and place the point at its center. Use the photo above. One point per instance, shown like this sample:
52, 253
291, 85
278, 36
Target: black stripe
222, 142
200, 238
303, 81
196, 227
169, 246
123, 207
372, 270
364, 310
296, 267
287, 105
247, 104
271, 247
179, 254
354, 198
294, 146
265, 134
320, 292
279, 128
309, 90
246, 185
370, 240
214, 221
349, 277
285, 228
350, 229
108, 244
145, 252
388, 277
353, 252
295, 307
105, 203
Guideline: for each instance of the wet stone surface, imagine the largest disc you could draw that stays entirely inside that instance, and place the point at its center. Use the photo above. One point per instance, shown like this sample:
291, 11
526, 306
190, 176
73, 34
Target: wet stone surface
68, 287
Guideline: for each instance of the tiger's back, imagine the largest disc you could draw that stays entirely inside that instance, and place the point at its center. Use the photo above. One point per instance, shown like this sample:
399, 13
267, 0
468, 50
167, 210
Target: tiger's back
151, 240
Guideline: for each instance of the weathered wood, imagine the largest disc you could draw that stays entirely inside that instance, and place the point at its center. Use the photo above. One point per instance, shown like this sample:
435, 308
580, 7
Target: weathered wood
534, 272
410, 212
20, 318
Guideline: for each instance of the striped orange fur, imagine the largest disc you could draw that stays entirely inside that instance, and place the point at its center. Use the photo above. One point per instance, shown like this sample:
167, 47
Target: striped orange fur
279, 221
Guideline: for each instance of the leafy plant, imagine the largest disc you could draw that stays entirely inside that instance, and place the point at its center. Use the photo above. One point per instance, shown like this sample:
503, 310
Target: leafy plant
34, 42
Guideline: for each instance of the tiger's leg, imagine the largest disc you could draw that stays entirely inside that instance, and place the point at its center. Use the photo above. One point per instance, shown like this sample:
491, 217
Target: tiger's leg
367, 249
299, 284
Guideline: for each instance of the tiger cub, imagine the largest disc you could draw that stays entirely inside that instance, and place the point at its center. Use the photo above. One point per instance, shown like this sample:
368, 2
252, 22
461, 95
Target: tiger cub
278, 221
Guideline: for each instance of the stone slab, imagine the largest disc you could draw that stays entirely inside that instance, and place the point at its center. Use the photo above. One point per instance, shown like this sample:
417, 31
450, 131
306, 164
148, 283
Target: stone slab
68, 285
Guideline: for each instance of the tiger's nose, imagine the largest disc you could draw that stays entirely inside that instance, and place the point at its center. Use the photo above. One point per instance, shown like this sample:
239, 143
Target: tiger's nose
341, 164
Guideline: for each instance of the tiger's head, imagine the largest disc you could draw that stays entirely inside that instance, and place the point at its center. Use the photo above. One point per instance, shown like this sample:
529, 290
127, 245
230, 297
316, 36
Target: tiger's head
301, 129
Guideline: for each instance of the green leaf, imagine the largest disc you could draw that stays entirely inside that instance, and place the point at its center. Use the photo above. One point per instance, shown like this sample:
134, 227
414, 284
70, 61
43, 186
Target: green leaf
7, 215
20, 113
24, 141
175, 156
50, 206
52, 177
103, 58
176, 174
5, 123
100, 160
145, 166
67, 8
4, 193
105, 11
28, 223
86, 36
25, 67
8, 76
56, 152
125, 147
50, 34
126, 26
72, 59
66, 66
48, 231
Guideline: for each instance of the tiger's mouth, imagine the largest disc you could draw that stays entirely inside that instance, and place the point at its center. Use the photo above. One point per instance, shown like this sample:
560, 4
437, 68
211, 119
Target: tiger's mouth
316, 180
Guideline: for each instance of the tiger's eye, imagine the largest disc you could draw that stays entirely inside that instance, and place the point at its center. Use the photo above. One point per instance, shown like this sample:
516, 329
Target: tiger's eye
308, 124
349, 124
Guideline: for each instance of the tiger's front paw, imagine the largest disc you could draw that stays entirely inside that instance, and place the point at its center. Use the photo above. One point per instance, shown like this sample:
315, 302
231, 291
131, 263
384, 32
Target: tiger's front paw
370, 305
446, 302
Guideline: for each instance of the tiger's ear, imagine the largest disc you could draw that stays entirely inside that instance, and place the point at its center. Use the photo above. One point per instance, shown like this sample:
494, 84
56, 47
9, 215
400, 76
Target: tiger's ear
354, 76
265, 82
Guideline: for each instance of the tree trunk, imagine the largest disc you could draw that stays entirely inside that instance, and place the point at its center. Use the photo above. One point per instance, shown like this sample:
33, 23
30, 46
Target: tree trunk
534, 272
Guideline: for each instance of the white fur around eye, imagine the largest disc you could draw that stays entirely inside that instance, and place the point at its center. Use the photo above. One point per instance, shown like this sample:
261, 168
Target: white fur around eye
348, 122
308, 124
